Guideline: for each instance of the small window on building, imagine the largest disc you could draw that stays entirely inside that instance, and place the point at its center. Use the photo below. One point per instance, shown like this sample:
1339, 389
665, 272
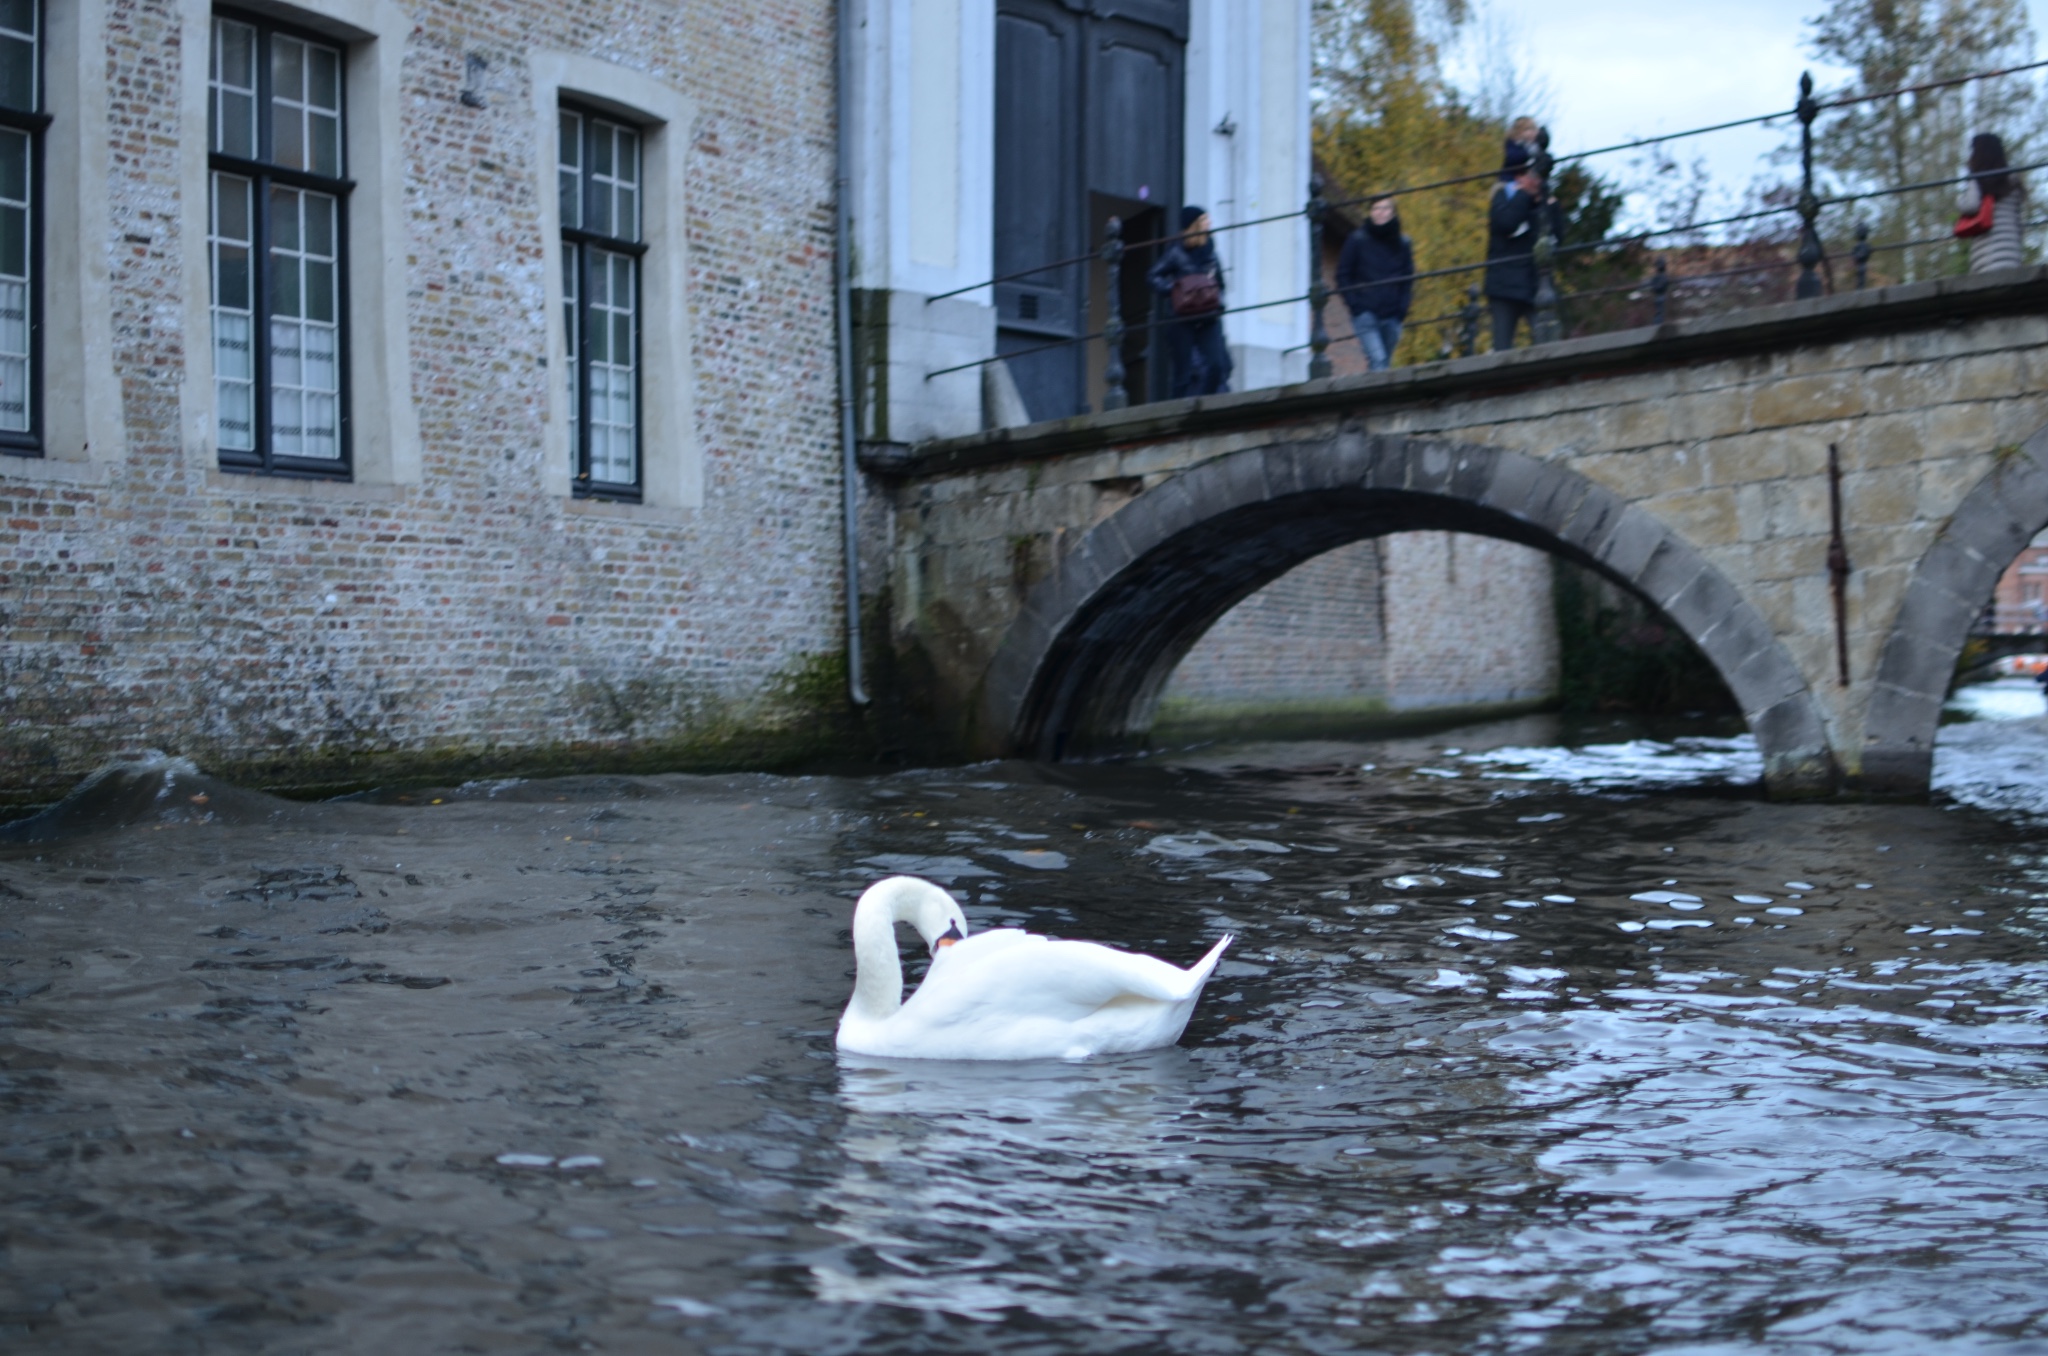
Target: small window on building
21, 127
276, 241
599, 169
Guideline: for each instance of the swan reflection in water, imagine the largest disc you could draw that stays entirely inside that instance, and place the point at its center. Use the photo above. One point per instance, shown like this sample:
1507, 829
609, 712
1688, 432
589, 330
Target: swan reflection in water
974, 1187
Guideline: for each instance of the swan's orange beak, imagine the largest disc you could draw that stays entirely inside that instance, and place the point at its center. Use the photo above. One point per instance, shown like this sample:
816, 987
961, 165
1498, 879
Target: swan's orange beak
951, 935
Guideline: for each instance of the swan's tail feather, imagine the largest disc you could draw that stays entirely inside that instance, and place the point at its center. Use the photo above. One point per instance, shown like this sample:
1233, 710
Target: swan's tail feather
1203, 968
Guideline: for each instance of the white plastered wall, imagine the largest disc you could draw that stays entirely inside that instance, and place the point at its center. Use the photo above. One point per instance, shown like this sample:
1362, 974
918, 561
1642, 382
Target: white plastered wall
83, 432
384, 435
1248, 156
671, 454
924, 203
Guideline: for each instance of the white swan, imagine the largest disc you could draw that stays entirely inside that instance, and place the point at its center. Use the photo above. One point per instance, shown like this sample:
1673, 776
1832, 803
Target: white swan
1005, 994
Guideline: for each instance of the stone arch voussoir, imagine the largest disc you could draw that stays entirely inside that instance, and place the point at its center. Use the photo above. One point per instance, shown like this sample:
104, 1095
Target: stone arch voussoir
1949, 588
1173, 559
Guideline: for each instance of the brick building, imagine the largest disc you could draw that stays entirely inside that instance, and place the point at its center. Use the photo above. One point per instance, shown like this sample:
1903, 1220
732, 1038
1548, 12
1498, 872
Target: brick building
2020, 602
415, 386
1413, 622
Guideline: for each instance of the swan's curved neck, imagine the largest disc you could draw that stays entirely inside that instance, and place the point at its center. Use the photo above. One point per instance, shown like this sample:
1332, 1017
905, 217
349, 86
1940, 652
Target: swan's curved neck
878, 971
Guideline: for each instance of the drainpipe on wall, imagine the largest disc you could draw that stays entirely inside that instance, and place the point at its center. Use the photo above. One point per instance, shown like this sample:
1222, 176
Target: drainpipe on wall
849, 468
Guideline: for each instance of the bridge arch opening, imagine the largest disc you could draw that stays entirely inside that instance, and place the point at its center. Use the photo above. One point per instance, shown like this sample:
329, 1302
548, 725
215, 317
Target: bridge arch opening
1431, 629
1081, 670
1949, 589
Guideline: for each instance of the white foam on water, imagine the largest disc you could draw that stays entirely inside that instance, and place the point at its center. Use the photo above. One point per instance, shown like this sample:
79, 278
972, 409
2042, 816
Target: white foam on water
1671, 897
1636, 763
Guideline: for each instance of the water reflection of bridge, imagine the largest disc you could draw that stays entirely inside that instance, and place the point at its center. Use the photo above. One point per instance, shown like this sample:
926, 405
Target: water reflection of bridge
1044, 581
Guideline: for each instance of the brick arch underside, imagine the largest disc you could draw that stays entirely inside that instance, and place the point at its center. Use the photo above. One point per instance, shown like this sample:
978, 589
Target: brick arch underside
1081, 668
1950, 585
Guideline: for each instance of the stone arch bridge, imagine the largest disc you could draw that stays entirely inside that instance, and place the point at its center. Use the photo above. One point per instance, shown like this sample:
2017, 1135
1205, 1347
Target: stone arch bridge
1039, 584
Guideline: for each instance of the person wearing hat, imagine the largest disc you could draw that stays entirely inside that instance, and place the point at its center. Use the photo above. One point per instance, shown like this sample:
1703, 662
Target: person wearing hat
1512, 222
1190, 277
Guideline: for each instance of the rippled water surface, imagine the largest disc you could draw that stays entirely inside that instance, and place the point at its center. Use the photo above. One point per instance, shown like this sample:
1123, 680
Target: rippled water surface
1521, 1048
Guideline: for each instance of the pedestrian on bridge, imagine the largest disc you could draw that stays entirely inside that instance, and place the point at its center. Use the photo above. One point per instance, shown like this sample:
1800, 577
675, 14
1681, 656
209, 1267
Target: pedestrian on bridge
1376, 275
1992, 205
1190, 277
1519, 210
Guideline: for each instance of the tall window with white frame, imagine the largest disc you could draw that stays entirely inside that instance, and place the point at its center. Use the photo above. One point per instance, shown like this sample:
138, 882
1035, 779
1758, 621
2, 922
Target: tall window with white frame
276, 234
599, 166
22, 121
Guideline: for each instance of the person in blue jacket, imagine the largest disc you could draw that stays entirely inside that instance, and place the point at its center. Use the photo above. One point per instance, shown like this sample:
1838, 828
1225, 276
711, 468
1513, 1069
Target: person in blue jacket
1376, 275
1200, 357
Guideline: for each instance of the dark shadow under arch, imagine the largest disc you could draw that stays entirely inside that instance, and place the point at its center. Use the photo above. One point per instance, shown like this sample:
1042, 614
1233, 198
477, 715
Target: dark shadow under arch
1950, 585
1082, 666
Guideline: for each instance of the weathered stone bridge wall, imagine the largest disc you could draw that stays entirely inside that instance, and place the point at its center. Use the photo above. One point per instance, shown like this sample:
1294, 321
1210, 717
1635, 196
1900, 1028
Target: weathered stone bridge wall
1045, 580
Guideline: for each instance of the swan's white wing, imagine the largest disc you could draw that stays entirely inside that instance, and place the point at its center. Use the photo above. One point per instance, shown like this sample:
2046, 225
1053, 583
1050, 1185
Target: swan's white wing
1024, 977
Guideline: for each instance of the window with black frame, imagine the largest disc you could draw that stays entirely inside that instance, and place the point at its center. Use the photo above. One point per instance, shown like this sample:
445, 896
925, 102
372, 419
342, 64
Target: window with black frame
276, 239
599, 166
21, 126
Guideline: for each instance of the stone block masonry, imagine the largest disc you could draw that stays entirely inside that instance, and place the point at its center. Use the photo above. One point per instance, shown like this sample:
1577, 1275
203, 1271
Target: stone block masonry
1687, 463
301, 632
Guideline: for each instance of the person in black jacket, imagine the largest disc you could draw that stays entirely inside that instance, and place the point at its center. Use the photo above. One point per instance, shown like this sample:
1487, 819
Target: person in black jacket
1376, 275
1200, 358
1517, 214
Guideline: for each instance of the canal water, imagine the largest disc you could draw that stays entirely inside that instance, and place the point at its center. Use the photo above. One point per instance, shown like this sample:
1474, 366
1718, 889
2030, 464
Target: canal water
1536, 1037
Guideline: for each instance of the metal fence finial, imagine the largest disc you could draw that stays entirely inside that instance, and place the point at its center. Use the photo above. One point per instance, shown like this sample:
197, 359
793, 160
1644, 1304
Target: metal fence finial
1114, 397
1318, 293
1810, 252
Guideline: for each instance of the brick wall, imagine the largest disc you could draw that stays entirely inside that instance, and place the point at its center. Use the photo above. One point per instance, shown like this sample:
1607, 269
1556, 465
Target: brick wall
298, 631
1415, 620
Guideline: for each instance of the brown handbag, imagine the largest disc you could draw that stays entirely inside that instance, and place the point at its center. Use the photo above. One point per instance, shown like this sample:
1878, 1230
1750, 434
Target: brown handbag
1196, 294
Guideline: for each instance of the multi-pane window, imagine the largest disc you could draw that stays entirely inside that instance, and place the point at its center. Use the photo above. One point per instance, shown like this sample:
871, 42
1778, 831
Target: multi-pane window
275, 236
21, 125
599, 165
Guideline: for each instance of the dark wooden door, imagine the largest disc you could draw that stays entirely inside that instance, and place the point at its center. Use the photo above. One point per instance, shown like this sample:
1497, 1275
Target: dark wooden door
1089, 105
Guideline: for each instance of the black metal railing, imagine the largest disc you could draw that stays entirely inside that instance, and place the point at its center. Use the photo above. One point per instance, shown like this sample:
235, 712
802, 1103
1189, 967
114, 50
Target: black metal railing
1810, 258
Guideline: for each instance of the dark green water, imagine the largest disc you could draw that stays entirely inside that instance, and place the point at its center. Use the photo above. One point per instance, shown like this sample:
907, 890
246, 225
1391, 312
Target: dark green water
549, 1066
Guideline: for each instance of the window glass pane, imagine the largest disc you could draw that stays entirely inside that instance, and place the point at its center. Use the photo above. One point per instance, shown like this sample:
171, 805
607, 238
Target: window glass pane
572, 267
569, 159
232, 110
287, 69
612, 366
17, 73
628, 227
305, 106
305, 336
18, 56
323, 78
14, 167
13, 242
234, 368
15, 282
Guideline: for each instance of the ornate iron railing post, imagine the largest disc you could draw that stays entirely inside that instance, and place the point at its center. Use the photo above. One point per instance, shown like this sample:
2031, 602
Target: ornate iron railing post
1810, 252
1114, 397
1861, 254
1543, 326
1318, 294
1660, 286
1468, 323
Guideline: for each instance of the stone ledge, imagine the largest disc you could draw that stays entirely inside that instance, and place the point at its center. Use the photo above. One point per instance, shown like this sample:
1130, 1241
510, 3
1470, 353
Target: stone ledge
1763, 329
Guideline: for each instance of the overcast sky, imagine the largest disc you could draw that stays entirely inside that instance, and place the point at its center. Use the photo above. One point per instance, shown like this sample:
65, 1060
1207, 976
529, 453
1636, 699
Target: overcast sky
1618, 69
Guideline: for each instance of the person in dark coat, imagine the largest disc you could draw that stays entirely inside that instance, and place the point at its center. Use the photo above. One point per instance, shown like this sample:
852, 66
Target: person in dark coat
1376, 277
1200, 358
1512, 223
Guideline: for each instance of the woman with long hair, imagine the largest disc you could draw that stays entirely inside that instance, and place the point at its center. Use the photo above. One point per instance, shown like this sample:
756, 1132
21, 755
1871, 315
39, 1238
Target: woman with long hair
1992, 180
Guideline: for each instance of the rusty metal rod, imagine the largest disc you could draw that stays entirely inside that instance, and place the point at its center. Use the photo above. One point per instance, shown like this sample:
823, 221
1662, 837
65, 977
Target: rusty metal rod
1838, 564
